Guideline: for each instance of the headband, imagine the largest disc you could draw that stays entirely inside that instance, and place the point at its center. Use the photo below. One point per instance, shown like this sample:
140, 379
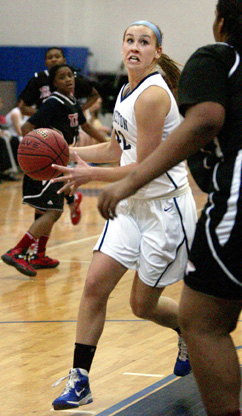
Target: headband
151, 26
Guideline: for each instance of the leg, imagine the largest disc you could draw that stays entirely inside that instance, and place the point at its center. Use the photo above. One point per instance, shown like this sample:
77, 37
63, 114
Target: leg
41, 229
147, 303
206, 324
103, 275
44, 224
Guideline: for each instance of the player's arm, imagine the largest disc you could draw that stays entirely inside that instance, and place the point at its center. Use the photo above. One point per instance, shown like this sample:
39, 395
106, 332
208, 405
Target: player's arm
16, 120
25, 109
151, 109
201, 124
107, 152
27, 127
150, 123
42, 117
84, 173
28, 97
91, 131
91, 99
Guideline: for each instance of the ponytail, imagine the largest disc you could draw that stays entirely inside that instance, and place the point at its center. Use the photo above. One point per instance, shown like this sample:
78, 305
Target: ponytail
172, 72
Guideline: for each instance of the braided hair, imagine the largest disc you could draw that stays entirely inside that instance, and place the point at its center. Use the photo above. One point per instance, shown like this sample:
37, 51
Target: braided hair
231, 11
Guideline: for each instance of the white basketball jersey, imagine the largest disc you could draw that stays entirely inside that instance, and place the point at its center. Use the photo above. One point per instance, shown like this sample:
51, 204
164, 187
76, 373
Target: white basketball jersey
125, 127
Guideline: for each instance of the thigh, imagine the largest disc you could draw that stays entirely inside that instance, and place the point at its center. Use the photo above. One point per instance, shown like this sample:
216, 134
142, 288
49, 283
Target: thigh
120, 240
167, 231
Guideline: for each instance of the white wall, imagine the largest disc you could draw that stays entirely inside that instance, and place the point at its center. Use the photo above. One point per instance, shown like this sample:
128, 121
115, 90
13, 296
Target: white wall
99, 25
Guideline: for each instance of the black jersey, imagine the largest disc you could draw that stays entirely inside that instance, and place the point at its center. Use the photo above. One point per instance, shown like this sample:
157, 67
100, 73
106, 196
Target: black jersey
214, 73
62, 113
38, 88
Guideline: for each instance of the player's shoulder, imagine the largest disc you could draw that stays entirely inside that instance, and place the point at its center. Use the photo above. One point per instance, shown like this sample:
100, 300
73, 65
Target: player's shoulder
41, 74
56, 97
219, 51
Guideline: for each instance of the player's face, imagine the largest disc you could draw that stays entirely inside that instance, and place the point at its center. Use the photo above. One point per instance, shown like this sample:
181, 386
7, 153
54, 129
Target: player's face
140, 49
64, 81
54, 57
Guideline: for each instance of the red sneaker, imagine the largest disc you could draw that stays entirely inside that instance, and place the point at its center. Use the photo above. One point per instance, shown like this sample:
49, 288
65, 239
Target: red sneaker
75, 208
19, 259
41, 261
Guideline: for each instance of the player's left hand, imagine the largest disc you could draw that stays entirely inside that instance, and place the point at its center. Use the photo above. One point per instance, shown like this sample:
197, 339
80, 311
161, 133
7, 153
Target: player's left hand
73, 177
109, 198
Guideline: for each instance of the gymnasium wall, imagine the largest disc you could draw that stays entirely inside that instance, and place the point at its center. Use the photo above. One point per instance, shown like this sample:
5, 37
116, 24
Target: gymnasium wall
18, 63
99, 25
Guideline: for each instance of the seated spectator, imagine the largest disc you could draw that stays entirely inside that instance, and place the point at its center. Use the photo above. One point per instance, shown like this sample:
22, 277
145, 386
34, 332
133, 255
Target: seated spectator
5, 160
92, 115
14, 121
2, 118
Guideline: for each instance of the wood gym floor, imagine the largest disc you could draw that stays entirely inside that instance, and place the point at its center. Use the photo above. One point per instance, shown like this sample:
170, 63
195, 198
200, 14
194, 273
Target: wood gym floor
132, 373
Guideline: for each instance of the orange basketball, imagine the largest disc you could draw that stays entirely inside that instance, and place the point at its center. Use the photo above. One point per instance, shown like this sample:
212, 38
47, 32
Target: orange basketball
39, 149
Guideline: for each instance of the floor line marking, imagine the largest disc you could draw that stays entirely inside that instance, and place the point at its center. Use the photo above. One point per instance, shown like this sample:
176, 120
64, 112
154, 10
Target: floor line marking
144, 375
77, 412
71, 243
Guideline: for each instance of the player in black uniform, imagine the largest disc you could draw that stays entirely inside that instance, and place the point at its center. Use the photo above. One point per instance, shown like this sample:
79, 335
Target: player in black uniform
210, 98
61, 111
38, 90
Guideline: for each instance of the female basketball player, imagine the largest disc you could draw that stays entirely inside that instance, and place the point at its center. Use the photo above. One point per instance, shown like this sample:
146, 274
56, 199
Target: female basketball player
154, 229
63, 112
210, 97
38, 90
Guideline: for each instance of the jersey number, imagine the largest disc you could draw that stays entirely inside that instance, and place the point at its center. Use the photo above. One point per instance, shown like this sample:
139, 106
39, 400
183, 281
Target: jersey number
121, 139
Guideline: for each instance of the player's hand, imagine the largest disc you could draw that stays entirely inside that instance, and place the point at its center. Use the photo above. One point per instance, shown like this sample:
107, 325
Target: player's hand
110, 197
73, 177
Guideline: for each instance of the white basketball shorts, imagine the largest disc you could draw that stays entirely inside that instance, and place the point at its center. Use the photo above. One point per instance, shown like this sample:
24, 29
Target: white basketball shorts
152, 237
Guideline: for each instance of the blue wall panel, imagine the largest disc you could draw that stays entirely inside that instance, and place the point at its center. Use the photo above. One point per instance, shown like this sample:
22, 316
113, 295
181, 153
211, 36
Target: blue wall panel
19, 63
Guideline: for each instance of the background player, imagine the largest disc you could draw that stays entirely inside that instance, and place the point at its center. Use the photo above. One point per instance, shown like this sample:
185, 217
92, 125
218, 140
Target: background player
63, 112
38, 90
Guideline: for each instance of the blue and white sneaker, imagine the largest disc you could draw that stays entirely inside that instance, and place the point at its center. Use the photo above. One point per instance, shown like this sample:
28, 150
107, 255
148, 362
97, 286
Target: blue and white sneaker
77, 391
182, 367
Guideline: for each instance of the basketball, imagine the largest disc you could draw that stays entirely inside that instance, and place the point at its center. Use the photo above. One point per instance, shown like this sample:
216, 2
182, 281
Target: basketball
39, 149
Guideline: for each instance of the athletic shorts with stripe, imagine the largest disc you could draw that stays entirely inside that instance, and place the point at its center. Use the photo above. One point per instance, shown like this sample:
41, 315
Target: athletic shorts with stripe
216, 254
42, 194
151, 237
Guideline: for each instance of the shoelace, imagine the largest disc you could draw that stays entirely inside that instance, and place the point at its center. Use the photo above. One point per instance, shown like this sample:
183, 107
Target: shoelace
23, 256
183, 354
70, 384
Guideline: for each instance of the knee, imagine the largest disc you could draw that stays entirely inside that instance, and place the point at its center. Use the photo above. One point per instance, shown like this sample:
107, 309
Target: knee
138, 307
95, 292
56, 215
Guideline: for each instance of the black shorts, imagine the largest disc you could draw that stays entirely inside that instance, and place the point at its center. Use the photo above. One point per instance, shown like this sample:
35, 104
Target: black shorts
42, 194
216, 251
